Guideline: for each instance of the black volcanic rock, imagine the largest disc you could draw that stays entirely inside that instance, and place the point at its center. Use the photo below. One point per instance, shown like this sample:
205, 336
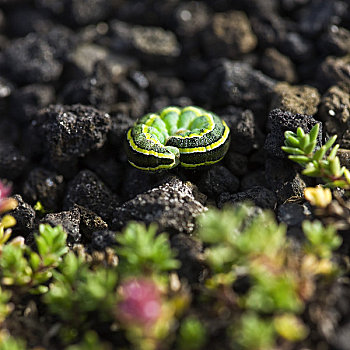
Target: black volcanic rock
88, 191
172, 205
69, 220
238, 84
31, 60
69, 132
45, 186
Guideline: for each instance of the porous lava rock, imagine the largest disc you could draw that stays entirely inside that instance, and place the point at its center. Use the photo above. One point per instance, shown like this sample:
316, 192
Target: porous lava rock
218, 179
173, 205
238, 84
25, 102
45, 186
190, 253
278, 66
89, 223
24, 215
148, 42
302, 99
284, 178
70, 132
102, 239
229, 35
12, 161
334, 71
335, 112
88, 191
69, 220
245, 133
262, 197
31, 60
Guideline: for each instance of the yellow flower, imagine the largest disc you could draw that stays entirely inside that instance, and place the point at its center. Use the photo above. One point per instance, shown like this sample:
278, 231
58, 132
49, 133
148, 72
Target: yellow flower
318, 196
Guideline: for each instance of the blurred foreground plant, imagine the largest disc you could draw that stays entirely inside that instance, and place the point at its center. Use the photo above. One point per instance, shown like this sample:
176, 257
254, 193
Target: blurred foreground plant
10, 343
135, 294
245, 244
147, 304
142, 251
22, 267
256, 287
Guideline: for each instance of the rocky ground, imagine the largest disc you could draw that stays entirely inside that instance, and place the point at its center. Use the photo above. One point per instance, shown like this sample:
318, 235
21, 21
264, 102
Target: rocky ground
76, 74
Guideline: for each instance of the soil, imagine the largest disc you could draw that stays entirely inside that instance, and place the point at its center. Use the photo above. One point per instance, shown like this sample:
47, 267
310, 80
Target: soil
76, 74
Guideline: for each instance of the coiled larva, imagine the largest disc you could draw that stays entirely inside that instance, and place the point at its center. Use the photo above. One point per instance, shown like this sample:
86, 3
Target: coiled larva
189, 137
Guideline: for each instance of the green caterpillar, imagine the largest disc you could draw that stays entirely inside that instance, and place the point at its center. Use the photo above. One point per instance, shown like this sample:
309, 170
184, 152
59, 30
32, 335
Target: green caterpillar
189, 137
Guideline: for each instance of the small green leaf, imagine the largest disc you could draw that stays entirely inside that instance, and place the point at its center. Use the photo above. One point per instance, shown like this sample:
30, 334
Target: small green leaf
314, 132
311, 171
34, 260
330, 142
304, 142
338, 183
39, 290
299, 159
310, 147
292, 141
319, 154
335, 167
333, 152
347, 175
290, 133
43, 248
292, 150
192, 334
300, 132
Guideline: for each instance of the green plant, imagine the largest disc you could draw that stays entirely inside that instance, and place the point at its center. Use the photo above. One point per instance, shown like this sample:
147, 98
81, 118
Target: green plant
76, 291
5, 305
256, 289
23, 267
39, 208
10, 343
243, 243
237, 234
321, 240
89, 342
254, 333
142, 251
133, 294
192, 334
317, 163
273, 292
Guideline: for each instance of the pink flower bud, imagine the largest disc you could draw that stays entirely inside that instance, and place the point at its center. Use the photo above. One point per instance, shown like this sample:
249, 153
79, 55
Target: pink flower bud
4, 191
141, 302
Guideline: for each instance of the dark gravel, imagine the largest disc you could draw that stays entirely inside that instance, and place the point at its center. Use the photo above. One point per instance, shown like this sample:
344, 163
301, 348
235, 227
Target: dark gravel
69, 220
24, 215
44, 186
173, 206
70, 132
31, 60
260, 196
88, 191
76, 74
